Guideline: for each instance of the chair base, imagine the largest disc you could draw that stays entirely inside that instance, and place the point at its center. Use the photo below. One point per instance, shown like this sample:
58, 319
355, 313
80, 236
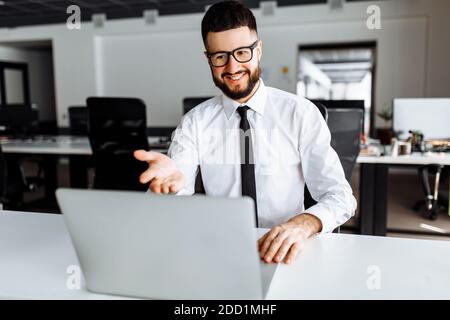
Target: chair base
432, 212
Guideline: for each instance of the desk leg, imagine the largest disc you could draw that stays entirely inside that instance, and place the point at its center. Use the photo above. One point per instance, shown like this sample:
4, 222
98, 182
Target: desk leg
366, 196
50, 166
380, 199
78, 171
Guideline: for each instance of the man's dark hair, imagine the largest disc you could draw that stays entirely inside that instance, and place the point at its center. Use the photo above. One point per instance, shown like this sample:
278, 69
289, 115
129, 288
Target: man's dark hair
227, 15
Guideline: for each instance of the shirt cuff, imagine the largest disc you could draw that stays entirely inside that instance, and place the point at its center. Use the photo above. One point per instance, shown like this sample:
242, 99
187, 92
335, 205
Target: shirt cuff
190, 173
325, 216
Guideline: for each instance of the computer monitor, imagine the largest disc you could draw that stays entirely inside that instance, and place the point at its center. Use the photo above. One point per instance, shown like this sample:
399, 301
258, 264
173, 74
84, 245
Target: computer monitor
18, 120
347, 104
431, 116
341, 104
190, 103
78, 120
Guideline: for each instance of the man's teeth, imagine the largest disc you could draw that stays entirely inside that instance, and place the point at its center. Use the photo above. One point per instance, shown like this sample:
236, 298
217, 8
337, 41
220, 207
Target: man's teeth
237, 77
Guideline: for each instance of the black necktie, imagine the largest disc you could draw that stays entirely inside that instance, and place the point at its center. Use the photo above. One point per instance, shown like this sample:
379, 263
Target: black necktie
247, 158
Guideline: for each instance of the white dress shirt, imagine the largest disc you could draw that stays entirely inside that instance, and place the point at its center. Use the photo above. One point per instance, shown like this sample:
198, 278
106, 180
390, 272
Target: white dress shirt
291, 144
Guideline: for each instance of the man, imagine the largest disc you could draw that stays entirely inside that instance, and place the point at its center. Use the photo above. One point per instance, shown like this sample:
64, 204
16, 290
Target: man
255, 141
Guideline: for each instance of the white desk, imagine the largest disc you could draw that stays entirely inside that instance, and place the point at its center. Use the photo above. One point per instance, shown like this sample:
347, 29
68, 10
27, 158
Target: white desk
57, 145
76, 148
35, 251
374, 191
413, 159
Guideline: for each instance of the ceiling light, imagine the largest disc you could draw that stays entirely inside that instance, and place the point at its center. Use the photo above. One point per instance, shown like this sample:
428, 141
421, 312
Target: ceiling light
150, 16
98, 19
268, 7
336, 4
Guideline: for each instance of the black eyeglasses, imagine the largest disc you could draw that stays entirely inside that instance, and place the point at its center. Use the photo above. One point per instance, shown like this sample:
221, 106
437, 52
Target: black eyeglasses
241, 55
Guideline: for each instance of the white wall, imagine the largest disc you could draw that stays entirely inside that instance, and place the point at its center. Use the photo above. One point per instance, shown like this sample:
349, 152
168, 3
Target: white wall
162, 69
129, 58
40, 71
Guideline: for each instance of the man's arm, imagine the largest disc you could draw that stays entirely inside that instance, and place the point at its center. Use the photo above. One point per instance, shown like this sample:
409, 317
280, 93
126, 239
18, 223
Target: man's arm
323, 173
326, 181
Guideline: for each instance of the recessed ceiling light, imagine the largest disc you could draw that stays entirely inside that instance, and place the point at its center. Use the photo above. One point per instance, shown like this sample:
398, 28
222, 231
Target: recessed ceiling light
2, 3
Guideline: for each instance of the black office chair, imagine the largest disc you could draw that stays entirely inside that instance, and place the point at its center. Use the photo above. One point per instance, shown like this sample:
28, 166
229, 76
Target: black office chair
191, 102
117, 127
78, 120
20, 121
342, 104
12, 183
79, 165
346, 127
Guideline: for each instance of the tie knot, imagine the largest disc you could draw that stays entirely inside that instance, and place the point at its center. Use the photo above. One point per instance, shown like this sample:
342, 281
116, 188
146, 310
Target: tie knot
242, 110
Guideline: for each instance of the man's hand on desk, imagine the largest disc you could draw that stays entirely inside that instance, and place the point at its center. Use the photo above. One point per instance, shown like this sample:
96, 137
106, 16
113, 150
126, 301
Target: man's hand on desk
285, 241
162, 173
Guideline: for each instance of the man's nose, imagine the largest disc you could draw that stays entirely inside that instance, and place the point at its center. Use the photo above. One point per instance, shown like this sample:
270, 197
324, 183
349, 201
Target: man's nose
233, 65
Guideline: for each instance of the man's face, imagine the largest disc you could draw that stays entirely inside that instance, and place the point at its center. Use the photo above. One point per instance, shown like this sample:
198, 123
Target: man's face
236, 79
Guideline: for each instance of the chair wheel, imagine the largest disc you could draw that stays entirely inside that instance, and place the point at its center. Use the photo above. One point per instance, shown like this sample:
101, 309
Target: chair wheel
433, 214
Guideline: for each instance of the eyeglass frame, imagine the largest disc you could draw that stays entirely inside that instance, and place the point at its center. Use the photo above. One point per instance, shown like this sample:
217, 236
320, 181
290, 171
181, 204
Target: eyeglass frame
231, 53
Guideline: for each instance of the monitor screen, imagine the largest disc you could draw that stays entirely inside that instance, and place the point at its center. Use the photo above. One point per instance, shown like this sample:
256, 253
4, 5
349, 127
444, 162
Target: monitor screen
341, 104
18, 120
348, 104
191, 103
431, 116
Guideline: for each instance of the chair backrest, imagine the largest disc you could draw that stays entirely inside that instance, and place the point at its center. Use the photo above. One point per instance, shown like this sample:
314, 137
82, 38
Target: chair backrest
323, 110
343, 104
3, 175
345, 127
117, 127
78, 120
12, 182
190, 102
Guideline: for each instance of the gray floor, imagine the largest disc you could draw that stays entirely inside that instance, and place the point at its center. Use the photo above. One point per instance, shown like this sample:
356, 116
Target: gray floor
404, 191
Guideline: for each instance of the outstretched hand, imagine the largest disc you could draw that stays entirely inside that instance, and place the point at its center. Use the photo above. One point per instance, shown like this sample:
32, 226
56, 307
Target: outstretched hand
162, 173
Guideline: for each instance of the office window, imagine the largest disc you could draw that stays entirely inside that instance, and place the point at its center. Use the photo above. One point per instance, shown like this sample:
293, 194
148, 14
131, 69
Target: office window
339, 72
14, 87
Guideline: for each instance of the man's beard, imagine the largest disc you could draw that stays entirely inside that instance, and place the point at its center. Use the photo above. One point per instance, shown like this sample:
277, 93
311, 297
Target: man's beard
242, 93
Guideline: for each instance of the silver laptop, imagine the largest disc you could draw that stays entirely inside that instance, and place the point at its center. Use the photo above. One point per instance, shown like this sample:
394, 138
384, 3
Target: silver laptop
164, 246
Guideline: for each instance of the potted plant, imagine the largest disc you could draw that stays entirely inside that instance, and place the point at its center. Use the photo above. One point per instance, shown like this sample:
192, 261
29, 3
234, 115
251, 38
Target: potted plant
386, 133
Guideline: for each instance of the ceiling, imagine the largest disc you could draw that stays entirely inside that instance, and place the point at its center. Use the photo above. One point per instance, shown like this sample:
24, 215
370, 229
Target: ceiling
15, 13
33, 12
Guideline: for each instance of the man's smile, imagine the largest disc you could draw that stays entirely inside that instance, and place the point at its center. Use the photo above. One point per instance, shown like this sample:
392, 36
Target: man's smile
235, 78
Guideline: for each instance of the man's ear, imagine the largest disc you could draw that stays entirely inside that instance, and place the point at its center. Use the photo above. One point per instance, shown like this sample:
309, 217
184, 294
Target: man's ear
259, 50
206, 56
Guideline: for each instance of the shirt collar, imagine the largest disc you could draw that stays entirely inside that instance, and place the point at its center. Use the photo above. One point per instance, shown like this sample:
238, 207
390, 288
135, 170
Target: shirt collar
256, 103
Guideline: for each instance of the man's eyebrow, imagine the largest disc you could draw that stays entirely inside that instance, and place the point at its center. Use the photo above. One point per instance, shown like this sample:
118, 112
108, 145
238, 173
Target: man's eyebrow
242, 46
